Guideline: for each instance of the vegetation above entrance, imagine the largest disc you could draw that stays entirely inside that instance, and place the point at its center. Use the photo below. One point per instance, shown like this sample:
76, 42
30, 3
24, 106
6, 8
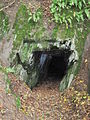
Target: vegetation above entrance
68, 11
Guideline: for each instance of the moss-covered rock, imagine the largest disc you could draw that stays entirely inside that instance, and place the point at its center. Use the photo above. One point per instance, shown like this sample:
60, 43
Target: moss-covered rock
30, 37
25, 26
80, 32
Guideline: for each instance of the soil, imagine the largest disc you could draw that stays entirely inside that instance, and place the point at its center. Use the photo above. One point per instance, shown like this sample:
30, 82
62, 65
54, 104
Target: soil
44, 102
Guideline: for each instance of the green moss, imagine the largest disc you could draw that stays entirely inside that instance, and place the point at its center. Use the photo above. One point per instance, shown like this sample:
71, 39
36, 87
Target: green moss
21, 26
61, 32
55, 31
4, 24
40, 33
68, 33
26, 27
81, 38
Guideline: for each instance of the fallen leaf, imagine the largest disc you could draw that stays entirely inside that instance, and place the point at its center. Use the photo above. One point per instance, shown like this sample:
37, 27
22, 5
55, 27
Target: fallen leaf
82, 103
81, 81
89, 98
84, 119
3, 111
85, 60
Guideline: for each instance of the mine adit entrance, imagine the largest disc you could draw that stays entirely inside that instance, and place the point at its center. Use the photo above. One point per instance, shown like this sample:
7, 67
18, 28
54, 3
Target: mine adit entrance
51, 64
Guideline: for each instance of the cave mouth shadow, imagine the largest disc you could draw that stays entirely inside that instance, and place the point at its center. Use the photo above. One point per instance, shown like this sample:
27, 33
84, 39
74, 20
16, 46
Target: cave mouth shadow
57, 67
53, 64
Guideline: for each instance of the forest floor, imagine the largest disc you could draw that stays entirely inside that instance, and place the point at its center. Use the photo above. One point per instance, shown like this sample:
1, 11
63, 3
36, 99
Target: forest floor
44, 102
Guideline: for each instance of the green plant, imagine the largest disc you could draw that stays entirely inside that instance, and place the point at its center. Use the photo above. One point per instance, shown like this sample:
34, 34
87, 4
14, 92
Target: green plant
6, 71
36, 16
18, 102
4, 24
68, 11
8, 82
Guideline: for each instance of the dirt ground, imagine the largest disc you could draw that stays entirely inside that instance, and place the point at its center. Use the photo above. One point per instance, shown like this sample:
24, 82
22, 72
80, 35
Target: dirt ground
44, 102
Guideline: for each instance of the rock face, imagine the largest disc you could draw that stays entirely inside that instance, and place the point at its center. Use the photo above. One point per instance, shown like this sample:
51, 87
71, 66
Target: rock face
57, 53
44, 57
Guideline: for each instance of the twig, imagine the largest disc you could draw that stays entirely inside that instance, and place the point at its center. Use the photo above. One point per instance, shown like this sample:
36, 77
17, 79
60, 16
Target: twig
5, 7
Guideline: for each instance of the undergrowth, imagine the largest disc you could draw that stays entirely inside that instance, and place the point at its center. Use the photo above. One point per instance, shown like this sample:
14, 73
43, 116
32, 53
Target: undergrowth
6, 71
4, 24
68, 11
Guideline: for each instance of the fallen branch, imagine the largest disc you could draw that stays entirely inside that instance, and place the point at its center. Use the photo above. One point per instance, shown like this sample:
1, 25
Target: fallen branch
5, 7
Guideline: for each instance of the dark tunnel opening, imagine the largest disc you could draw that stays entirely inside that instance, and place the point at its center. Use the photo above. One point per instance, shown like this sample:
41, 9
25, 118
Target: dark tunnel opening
52, 64
57, 67
47, 66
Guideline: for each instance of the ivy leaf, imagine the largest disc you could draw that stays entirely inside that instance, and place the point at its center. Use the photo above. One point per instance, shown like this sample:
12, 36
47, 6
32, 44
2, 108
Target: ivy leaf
80, 5
60, 20
69, 20
66, 24
77, 16
34, 18
63, 4
87, 13
29, 18
59, 4
63, 18
82, 17
71, 2
53, 10
59, 9
75, 1
84, 2
56, 17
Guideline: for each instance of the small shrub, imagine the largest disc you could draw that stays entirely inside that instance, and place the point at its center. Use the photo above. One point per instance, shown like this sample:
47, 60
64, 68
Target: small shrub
36, 16
67, 11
